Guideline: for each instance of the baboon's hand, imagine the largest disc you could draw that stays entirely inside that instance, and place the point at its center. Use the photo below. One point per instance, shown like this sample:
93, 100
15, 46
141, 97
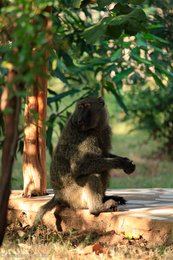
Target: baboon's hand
129, 166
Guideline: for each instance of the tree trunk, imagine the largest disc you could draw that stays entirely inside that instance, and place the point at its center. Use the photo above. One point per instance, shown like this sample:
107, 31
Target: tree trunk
11, 120
34, 157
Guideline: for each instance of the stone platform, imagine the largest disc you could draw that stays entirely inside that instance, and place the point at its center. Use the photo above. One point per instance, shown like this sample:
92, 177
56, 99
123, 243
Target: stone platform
148, 213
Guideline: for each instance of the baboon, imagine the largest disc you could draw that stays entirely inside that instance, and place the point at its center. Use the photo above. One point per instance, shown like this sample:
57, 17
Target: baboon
81, 162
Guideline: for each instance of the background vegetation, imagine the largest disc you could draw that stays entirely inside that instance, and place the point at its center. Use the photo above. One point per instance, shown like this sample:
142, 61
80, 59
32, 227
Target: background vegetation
122, 50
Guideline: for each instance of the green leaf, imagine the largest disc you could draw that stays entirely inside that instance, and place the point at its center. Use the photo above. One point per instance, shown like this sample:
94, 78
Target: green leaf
99, 61
93, 33
119, 20
156, 79
136, 2
123, 74
132, 23
114, 31
103, 3
155, 26
152, 37
122, 9
62, 95
136, 21
141, 60
110, 87
54, 64
20, 146
57, 73
116, 54
136, 51
76, 3
167, 73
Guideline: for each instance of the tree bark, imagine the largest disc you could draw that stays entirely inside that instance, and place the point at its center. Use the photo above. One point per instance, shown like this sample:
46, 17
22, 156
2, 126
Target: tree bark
34, 157
11, 120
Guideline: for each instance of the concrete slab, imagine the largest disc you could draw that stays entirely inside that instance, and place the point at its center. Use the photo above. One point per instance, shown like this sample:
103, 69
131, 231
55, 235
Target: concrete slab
140, 202
167, 196
144, 214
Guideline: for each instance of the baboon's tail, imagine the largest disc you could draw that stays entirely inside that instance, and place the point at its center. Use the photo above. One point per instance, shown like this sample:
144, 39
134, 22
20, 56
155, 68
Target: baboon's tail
43, 209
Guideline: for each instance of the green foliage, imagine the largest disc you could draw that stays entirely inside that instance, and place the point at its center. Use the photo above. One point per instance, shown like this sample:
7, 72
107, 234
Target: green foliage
123, 20
95, 47
136, 2
111, 88
83, 68
150, 104
22, 30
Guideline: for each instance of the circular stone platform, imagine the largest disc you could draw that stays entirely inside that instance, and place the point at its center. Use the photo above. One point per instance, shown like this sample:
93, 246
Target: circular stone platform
147, 213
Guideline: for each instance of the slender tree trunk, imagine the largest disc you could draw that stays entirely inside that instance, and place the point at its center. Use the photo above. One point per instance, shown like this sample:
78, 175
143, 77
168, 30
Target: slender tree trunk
34, 157
11, 120
34, 160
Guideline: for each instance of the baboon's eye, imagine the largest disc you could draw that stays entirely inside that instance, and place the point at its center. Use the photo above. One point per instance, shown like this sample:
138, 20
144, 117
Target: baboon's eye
87, 104
84, 105
101, 101
80, 106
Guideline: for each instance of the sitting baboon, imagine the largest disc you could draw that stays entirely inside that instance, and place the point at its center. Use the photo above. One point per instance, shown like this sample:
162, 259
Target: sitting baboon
81, 162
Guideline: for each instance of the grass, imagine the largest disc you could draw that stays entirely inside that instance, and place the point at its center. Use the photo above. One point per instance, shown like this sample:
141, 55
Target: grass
81, 245
152, 169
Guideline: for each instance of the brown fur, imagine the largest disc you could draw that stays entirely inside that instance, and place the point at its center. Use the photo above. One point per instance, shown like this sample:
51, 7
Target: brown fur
81, 161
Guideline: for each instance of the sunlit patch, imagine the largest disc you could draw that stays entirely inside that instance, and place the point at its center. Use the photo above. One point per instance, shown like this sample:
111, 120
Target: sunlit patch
120, 128
84, 197
166, 211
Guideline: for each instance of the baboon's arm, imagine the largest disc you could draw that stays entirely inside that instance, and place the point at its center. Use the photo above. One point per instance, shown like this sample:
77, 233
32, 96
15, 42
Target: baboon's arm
110, 155
96, 164
129, 169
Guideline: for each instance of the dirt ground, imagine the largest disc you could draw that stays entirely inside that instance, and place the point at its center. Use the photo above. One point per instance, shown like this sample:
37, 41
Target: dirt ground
48, 244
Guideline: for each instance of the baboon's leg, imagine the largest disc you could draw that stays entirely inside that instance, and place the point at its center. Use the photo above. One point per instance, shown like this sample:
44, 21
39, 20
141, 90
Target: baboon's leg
94, 194
118, 199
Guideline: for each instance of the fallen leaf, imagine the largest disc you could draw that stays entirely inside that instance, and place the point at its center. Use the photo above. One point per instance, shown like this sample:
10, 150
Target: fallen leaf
132, 235
98, 248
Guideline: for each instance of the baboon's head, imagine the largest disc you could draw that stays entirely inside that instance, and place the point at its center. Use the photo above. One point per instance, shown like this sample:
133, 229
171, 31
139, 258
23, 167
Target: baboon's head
90, 113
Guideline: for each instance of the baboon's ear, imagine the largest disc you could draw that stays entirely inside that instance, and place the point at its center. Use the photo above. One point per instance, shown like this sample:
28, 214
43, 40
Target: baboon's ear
101, 101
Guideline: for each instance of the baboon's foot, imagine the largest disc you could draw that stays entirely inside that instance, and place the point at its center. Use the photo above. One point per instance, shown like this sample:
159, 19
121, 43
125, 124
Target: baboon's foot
110, 205
120, 200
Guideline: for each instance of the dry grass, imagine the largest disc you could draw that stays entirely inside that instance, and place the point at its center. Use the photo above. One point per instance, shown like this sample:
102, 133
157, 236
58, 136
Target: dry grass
45, 244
